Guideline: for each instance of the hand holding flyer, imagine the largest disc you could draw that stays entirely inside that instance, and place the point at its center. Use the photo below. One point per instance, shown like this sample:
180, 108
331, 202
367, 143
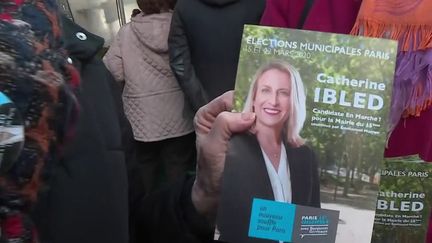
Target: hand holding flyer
214, 127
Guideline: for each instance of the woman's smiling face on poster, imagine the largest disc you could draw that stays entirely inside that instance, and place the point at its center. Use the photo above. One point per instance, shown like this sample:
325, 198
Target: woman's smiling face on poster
273, 98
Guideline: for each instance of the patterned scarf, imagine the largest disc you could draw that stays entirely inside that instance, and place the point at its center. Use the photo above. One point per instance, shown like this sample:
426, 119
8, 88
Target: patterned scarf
409, 22
35, 75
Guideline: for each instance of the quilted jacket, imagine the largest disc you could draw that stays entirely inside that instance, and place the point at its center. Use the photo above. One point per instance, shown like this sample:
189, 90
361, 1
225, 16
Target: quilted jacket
153, 101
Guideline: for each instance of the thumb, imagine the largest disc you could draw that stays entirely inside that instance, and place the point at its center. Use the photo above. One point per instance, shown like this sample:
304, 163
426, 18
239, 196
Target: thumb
227, 123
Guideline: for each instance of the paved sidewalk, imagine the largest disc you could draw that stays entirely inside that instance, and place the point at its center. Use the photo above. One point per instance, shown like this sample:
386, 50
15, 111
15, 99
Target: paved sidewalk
355, 225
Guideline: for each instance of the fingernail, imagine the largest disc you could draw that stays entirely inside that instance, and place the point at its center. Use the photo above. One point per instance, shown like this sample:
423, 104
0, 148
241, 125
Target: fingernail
248, 116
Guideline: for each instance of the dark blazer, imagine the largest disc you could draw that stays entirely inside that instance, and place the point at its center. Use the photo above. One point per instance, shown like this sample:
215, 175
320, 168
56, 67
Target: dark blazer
245, 177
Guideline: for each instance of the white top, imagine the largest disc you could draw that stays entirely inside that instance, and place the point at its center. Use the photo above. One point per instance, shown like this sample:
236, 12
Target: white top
280, 180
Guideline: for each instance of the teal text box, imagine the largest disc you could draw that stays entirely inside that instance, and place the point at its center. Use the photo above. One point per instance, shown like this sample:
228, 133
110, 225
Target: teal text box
272, 220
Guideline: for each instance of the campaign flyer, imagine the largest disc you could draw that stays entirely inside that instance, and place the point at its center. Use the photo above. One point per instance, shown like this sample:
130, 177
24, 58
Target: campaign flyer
404, 201
321, 104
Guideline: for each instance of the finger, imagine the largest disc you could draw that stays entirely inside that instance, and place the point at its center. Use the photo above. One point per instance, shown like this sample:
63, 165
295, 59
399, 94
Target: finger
207, 114
219, 104
202, 122
228, 123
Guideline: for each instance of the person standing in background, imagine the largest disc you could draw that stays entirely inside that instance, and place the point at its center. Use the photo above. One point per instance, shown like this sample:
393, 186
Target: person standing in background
335, 16
204, 45
410, 23
37, 79
153, 101
88, 187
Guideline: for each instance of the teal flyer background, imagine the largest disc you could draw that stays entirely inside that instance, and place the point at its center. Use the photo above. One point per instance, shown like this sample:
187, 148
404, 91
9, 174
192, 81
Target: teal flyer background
3, 99
272, 220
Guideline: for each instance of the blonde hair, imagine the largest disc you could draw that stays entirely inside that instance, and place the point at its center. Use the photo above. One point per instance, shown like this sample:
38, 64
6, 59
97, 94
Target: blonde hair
297, 113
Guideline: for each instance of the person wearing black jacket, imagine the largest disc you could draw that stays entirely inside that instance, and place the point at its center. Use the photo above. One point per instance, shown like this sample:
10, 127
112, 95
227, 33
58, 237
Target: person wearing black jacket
204, 44
84, 196
86, 200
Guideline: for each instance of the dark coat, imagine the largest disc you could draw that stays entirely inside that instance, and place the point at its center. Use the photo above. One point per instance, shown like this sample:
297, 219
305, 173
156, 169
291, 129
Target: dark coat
87, 198
246, 177
168, 215
204, 44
